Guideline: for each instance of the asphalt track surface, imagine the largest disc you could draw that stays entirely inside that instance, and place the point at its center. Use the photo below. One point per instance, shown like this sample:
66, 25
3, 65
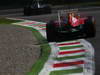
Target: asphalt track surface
94, 41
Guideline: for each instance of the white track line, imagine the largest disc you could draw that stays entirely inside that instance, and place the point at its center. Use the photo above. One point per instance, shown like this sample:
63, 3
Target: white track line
69, 60
69, 45
74, 49
67, 68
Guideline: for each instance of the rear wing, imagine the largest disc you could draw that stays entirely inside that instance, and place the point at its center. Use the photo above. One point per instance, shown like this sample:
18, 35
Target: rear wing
68, 11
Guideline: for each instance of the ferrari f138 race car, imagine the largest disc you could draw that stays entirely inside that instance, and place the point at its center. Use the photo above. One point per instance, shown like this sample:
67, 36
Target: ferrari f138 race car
70, 25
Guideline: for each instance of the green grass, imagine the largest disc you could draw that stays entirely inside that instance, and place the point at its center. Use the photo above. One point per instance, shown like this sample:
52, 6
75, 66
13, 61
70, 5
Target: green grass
69, 57
37, 34
70, 47
66, 72
45, 52
37, 67
4, 20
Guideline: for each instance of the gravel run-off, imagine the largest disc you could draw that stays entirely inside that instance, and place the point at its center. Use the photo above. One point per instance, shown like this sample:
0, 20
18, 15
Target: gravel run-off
19, 50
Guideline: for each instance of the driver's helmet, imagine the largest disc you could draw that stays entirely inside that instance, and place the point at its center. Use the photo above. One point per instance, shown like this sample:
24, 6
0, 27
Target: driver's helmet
73, 14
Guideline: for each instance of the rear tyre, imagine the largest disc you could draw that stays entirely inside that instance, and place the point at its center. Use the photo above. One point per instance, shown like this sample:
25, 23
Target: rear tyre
50, 31
90, 29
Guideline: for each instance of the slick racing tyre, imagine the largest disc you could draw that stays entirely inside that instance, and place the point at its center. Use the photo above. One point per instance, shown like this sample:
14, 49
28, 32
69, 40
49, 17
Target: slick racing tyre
50, 31
90, 29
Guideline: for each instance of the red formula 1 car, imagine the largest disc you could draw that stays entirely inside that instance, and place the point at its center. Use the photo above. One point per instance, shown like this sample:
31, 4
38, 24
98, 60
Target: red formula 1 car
69, 26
